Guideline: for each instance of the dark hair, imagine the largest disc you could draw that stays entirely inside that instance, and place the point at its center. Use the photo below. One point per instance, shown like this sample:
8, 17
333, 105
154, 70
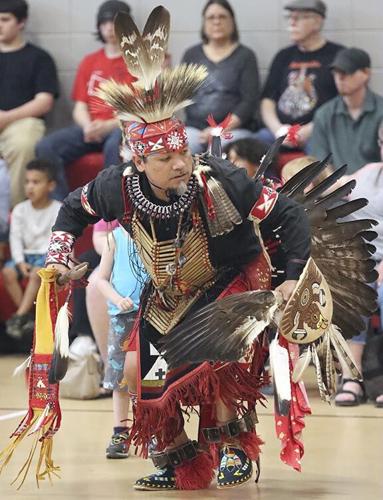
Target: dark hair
19, 8
45, 166
251, 150
106, 12
225, 4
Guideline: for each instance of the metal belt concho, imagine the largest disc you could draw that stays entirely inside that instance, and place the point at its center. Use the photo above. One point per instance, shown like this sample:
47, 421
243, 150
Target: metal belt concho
175, 457
231, 429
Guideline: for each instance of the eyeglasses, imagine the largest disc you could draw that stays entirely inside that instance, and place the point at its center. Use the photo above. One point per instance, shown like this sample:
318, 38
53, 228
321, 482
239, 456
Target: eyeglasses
304, 16
219, 17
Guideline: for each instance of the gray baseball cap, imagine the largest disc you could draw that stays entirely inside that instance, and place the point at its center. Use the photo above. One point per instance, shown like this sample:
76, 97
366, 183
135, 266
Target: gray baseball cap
311, 5
350, 60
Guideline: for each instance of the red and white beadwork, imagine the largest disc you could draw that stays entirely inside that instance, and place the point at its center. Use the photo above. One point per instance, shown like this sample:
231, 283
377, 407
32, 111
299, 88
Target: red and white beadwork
263, 205
84, 201
165, 135
60, 248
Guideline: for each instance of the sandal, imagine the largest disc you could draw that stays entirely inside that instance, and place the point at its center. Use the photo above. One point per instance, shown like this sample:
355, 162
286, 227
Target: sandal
357, 398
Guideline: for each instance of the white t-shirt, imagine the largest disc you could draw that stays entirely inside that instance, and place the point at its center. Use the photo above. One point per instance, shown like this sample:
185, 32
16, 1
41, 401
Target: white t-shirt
31, 228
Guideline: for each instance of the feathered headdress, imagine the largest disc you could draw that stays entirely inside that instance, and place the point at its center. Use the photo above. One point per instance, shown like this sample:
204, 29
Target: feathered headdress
146, 107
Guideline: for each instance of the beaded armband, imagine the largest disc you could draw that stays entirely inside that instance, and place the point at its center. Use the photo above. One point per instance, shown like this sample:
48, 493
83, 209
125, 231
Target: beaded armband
264, 205
84, 201
60, 248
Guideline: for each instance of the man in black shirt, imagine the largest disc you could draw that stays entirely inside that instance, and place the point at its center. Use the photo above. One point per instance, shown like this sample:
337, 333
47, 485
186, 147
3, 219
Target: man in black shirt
300, 80
28, 86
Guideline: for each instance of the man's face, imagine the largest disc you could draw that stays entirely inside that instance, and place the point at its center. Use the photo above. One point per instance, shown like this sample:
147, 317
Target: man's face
303, 24
10, 27
107, 32
167, 170
349, 84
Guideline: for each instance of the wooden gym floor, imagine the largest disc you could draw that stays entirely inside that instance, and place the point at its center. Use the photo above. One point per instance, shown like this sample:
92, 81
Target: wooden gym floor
343, 458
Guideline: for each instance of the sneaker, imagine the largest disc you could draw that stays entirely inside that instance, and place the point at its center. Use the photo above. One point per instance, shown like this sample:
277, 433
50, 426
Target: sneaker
235, 467
163, 479
118, 447
14, 326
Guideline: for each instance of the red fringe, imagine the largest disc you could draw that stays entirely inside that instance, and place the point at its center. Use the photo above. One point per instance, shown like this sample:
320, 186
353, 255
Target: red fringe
233, 383
165, 420
196, 474
251, 444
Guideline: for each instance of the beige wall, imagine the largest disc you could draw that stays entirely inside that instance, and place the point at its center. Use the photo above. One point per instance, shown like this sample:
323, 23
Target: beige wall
65, 27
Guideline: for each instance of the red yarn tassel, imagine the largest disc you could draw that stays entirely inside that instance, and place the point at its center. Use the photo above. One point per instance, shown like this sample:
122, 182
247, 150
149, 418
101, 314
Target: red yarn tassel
292, 135
209, 202
195, 474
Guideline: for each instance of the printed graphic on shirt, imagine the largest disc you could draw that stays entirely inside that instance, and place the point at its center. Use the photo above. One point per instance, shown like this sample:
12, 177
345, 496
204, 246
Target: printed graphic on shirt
300, 96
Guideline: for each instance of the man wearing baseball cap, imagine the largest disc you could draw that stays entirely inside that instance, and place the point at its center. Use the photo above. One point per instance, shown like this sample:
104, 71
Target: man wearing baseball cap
299, 80
95, 128
348, 125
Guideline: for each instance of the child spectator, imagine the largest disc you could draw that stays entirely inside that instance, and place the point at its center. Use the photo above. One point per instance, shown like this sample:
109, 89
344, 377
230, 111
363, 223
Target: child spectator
28, 86
248, 154
96, 128
120, 286
30, 229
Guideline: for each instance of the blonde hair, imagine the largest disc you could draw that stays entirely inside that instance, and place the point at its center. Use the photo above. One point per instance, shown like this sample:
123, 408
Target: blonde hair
292, 167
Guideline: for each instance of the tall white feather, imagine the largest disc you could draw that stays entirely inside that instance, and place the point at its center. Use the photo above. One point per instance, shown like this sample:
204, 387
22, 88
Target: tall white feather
279, 363
62, 331
20, 369
301, 365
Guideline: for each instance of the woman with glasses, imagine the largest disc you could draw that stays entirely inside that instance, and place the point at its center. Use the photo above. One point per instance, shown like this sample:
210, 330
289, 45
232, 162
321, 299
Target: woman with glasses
233, 82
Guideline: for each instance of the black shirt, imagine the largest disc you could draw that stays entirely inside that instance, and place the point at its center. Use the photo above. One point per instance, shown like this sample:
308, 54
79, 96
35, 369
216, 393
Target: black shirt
232, 86
23, 74
233, 249
300, 82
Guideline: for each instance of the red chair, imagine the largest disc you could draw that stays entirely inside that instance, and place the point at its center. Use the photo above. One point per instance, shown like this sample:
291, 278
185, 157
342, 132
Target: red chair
79, 173
84, 169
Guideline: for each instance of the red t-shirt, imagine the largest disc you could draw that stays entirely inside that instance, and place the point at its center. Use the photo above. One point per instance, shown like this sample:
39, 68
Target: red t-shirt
94, 69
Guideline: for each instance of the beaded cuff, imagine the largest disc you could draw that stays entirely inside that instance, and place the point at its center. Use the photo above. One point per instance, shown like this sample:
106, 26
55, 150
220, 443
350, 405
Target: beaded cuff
60, 248
263, 205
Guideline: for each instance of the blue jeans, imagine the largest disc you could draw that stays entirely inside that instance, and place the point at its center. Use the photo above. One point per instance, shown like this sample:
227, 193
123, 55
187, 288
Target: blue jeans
196, 147
67, 144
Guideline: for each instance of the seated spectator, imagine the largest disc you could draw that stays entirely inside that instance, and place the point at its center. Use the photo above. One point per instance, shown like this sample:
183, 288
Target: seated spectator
299, 81
247, 153
4, 209
95, 128
369, 185
233, 83
31, 224
347, 126
28, 86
